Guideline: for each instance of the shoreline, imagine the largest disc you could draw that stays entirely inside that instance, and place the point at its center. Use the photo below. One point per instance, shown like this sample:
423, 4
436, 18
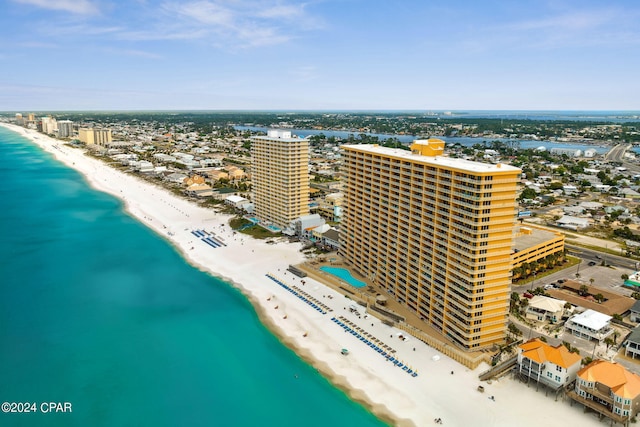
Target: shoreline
367, 378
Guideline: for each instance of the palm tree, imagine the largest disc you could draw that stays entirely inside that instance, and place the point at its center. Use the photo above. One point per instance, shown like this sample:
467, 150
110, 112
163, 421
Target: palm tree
515, 299
609, 342
584, 290
591, 281
616, 334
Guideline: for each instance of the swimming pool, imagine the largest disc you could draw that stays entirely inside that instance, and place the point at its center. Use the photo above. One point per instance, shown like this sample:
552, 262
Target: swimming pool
344, 274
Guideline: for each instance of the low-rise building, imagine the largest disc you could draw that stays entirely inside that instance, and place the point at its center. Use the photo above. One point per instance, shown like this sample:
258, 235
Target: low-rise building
590, 325
199, 190
635, 312
554, 367
543, 308
632, 343
609, 389
572, 222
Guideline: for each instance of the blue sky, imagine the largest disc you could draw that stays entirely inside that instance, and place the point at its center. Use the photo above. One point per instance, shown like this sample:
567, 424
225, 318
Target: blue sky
319, 54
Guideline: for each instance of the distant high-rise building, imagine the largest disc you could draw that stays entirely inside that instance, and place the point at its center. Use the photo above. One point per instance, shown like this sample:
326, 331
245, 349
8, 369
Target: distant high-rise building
435, 233
49, 125
280, 177
65, 128
31, 117
92, 136
19, 119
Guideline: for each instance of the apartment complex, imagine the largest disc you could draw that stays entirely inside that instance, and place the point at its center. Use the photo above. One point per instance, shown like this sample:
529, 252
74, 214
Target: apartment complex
436, 233
280, 177
92, 136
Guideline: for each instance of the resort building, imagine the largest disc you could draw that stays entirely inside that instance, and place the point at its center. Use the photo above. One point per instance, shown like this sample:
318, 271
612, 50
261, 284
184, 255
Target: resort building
49, 125
91, 136
280, 177
435, 233
65, 128
609, 389
590, 325
554, 367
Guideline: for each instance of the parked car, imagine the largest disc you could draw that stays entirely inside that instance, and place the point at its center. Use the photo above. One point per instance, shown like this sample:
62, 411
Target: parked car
598, 257
527, 295
592, 263
561, 281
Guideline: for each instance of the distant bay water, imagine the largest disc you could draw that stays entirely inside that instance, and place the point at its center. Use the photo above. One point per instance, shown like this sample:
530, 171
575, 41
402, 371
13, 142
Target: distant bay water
462, 140
99, 311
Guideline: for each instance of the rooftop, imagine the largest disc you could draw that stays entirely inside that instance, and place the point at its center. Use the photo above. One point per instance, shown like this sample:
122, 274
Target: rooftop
591, 319
622, 382
528, 237
541, 352
437, 161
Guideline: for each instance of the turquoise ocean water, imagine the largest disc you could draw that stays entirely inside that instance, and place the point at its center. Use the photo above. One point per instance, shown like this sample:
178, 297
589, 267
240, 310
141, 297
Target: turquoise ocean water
99, 311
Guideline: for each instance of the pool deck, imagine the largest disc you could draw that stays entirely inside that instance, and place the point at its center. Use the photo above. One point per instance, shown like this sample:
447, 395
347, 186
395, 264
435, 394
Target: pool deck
399, 315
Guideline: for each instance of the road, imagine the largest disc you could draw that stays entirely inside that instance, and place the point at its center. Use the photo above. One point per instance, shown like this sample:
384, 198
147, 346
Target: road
616, 154
588, 255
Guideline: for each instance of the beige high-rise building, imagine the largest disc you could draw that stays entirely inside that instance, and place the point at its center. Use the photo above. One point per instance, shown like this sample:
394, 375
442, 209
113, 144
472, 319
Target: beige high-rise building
49, 125
435, 233
280, 177
92, 136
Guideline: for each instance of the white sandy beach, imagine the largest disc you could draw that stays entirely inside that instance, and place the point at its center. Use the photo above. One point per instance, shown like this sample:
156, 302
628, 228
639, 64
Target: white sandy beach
365, 375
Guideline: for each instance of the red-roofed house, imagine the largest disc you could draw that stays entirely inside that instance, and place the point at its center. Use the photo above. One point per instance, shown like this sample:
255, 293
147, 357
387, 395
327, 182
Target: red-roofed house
609, 389
554, 367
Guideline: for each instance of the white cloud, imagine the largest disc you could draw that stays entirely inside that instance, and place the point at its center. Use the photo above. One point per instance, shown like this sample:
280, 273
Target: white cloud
204, 12
80, 7
577, 21
136, 53
236, 23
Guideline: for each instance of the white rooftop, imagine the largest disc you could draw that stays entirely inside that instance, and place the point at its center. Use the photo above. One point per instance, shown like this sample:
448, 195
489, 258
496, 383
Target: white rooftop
547, 304
235, 199
440, 161
592, 319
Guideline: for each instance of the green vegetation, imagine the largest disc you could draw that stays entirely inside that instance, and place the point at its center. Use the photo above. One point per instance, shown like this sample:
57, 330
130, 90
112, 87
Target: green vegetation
242, 225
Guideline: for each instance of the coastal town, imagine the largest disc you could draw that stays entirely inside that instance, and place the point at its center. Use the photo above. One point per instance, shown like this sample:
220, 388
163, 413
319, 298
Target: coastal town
515, 264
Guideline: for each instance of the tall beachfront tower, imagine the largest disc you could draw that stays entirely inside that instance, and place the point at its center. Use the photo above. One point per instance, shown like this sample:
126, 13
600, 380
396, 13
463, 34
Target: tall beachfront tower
280, 177
435, 233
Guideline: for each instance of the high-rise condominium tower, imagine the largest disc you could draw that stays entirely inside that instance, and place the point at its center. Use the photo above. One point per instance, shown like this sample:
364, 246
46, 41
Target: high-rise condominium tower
280, 177
435, 233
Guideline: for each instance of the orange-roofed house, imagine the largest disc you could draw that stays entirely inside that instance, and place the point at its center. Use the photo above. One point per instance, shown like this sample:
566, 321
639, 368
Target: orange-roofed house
554, 367
609, 389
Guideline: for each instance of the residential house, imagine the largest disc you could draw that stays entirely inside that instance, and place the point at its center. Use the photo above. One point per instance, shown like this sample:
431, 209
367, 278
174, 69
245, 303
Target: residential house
543, 308
176, 177
635, 312
554, 367
199, 190
609, 389
330, 239
590, 325
217, 175
632, 343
